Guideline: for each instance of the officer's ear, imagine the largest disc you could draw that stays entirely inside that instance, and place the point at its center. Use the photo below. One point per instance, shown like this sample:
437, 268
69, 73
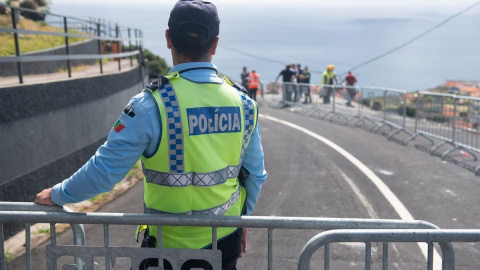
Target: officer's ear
213, 47
169, 40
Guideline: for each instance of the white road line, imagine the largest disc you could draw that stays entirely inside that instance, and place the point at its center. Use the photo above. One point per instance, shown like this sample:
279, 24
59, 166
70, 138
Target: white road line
401, 210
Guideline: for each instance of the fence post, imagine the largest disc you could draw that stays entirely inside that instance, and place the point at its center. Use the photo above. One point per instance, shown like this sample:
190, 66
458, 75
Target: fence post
417, 97
67, 47
17, 46
384, 105
454, 120
334, 92
130, 47
119, 44
136, 45
404, 111
99, 48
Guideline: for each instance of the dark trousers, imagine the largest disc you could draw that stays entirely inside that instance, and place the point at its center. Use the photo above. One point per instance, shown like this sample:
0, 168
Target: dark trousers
231, 246
252, 93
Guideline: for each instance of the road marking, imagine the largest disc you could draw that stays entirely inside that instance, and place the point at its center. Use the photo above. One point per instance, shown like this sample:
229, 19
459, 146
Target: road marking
401, 210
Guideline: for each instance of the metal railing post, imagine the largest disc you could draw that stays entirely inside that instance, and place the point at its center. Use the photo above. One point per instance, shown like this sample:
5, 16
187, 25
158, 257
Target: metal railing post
2, 249
270, 249
100, 48
404, 111
136, 45
130, 47
67, 47
17, 45
417, 97
454, 119
384, 105
334, 92
118, 47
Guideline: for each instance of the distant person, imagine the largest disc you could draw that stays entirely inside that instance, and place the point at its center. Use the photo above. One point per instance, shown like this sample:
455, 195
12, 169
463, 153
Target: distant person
253, 84
328, 80
244, 77
351, 90
287, 77
305, 77
298, 90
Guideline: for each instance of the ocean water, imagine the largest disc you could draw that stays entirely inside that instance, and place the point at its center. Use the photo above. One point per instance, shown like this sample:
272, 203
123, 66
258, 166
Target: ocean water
265, 35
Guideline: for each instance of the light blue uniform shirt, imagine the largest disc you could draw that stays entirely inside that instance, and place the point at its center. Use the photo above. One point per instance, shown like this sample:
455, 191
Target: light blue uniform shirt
141, 136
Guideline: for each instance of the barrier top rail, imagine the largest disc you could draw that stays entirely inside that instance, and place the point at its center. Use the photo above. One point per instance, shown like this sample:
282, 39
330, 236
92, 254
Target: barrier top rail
211, 221
448, 95
54, 14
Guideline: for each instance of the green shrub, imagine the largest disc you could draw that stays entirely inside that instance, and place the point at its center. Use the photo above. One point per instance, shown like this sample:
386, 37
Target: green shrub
156, 65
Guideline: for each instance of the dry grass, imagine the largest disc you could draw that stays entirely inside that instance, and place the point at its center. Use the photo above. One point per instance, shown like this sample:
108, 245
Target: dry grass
30, 43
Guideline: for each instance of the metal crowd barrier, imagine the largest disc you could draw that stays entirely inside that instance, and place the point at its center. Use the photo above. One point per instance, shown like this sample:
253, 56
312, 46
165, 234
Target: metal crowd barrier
33, 208
445, 120
106, 35
178, 256
451, 119
385, 237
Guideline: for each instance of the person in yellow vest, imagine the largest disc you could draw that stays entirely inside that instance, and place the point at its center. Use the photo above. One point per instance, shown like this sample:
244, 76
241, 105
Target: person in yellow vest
195, 134
253, 84
328, 79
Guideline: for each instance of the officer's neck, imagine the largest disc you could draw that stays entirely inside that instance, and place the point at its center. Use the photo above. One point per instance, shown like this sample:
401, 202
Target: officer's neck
180, 59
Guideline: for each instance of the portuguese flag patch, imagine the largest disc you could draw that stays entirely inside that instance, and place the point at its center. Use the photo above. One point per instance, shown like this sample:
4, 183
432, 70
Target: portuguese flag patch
118, 126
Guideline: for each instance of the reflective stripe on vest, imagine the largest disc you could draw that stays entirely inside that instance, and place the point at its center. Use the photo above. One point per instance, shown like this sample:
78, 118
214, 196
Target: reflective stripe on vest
176, 177
219, 210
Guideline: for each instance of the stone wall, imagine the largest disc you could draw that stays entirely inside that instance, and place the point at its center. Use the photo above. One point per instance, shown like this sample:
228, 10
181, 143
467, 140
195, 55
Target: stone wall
50, 130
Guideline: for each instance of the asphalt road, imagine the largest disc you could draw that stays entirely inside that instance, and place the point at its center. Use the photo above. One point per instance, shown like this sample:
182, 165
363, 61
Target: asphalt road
308, 178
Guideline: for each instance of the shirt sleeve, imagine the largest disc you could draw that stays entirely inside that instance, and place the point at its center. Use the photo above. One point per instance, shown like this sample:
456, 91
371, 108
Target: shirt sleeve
126, 142
254, 163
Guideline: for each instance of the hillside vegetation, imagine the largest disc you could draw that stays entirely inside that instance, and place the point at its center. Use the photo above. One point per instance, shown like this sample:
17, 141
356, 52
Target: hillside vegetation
30, 43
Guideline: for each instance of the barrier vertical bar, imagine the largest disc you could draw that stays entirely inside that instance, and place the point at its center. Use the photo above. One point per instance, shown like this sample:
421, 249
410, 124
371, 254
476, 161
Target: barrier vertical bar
118, 47
404, 111
17, 45
214, 238
106, 242
270, 249
384, 107
130, 46
385, 256
326, 256
334, 92
430, 256
136, 45
53, 241
160, 243
2, 249
99, 48
368, 255
67, 47
28, 247
454, 120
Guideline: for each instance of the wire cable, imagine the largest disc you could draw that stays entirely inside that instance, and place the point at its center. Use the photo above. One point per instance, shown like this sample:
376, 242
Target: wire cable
401, 46
415, 38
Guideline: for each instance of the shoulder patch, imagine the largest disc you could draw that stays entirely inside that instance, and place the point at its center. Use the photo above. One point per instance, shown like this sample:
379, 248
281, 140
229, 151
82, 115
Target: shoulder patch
129, 110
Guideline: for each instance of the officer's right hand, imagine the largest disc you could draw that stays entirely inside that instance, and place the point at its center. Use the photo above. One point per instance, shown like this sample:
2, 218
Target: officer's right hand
244, 243
45, 197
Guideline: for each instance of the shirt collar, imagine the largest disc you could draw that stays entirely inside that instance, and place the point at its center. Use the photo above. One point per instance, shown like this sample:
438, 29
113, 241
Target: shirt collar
201, 72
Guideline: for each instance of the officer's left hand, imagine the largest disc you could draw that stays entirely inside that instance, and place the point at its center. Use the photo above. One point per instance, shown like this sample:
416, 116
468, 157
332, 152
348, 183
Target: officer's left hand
45, 197
244, 243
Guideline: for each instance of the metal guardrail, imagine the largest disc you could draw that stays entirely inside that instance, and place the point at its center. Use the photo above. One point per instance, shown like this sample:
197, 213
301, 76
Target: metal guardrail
442, 119
385, 237
102, 32
77, 229
176, 256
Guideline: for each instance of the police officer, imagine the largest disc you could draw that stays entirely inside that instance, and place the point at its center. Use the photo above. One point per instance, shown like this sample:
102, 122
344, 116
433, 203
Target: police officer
193, 131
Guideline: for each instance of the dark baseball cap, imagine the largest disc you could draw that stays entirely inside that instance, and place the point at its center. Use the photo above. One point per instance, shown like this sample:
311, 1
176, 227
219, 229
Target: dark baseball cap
195, 12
